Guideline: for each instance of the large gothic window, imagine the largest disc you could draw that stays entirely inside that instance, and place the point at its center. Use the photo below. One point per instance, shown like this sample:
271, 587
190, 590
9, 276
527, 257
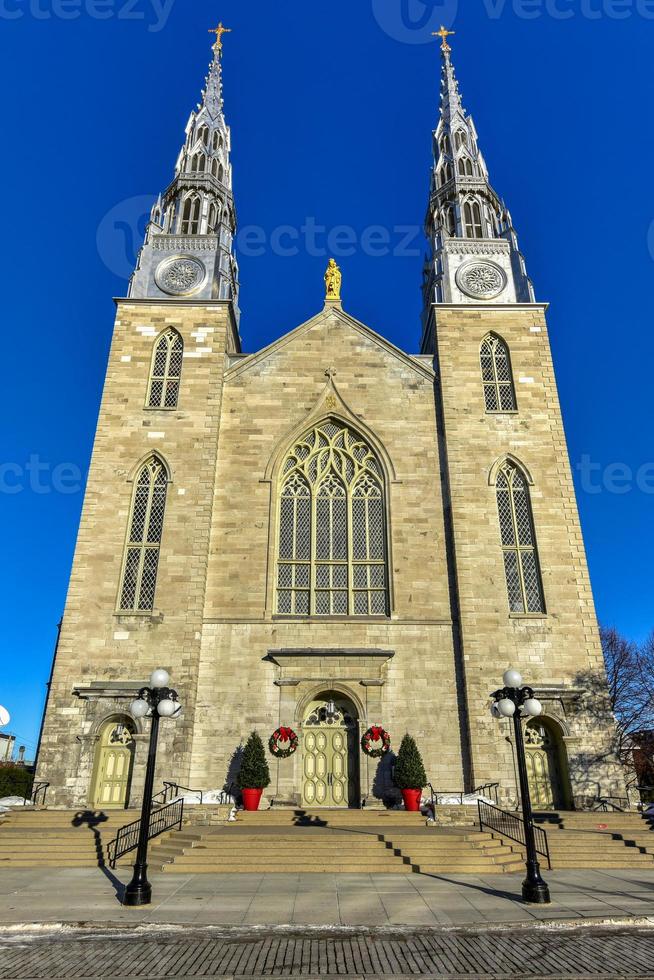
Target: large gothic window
496, 375
521, 565
472, 219
144, 538
166, 370
332, 527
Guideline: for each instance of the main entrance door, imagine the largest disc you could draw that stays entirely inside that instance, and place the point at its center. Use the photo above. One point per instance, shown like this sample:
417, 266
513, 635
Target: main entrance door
113, 765
330, 760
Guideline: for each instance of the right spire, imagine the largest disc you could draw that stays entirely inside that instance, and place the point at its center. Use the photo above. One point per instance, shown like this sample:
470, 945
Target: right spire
475, 257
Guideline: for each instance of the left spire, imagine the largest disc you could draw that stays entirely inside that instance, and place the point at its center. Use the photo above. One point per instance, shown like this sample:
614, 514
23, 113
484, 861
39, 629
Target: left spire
188, 249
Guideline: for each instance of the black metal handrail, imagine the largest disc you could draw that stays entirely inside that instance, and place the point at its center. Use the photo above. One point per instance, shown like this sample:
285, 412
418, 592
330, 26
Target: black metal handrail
171, 792
512, 826
488, 789
165, 818
38, 789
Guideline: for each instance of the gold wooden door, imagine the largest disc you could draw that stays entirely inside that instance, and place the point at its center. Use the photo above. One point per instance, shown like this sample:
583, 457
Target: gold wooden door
542, 767
326, 767
113, 769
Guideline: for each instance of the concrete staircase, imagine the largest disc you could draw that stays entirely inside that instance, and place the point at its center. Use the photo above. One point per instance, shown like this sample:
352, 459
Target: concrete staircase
598, 840
318, 841
34, 838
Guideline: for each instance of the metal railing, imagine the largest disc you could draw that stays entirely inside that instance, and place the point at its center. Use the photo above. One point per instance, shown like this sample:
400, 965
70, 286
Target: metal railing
488, 789
171, 791
512, 826
165, 818
38, 790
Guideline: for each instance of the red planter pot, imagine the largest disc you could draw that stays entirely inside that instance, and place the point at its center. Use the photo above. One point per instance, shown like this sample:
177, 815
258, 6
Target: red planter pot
411, 799
251, 798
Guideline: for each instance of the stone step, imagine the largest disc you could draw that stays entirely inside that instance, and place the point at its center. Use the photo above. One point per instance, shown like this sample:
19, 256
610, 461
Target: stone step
312, 868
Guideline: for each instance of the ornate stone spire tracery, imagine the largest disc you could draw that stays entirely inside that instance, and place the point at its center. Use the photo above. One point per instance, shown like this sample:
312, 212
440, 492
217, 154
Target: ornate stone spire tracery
188, 247
474, 249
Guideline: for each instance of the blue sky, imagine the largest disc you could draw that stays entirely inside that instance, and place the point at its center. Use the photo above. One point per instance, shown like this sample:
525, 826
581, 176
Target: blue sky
331, 108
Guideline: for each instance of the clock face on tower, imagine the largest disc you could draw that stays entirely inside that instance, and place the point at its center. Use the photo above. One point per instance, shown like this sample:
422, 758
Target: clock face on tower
480, 279
180, 276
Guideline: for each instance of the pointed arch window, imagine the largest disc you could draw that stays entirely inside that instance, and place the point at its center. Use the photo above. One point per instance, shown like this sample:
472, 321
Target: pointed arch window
460, 138
332, 527
166, 370
191, 216
472, 219
141, 560
496, 375
221, 174
465, 167
450, 220
203, 135
213, 218
521, 564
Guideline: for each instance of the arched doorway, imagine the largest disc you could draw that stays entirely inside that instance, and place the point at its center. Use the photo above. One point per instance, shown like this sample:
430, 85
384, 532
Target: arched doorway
546, 765
114, 759
330, 770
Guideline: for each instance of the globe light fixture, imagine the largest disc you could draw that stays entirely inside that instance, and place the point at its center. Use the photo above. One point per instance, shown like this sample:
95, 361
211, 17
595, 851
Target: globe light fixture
512, 678
159, 678
518, 702
5, 717
139, 708
168, 708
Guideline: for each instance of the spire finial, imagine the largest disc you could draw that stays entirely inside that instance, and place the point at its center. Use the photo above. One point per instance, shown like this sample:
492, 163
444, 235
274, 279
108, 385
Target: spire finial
443, 34
219, 31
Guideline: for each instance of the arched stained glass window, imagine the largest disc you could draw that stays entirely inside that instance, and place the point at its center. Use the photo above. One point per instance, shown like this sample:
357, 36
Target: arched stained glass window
332, 527
166, 370
496, 375
144, 540
521, 565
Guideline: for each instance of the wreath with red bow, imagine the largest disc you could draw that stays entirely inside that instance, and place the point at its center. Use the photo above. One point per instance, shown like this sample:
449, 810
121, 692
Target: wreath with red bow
283, 735
375, 734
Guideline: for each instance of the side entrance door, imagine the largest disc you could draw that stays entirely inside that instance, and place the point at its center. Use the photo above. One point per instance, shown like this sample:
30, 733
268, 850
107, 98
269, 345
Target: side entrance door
113, 766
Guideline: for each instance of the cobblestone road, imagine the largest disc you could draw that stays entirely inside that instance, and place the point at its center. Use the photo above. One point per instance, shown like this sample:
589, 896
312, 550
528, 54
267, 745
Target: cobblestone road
588, 952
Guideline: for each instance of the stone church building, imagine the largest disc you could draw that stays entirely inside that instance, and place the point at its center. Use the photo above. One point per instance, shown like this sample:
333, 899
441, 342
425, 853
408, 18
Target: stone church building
329, 533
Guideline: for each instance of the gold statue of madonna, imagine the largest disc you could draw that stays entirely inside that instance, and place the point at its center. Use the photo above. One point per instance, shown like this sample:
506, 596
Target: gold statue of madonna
333, 280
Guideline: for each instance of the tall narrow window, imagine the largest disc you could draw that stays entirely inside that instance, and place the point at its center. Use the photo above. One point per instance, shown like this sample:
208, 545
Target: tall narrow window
496, 375
465, 167
521, 565
332, 527
472, 219
191, 216
166, 370
144, 539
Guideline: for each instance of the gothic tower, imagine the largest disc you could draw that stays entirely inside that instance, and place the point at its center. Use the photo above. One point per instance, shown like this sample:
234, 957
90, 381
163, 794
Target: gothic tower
521, 592
188, 248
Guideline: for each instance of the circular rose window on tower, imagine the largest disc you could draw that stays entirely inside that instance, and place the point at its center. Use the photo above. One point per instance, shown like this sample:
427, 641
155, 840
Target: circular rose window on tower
481, 280
180, 276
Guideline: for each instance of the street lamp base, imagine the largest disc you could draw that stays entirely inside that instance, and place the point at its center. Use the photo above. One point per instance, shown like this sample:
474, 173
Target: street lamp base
536, 892
138, 895
139, 890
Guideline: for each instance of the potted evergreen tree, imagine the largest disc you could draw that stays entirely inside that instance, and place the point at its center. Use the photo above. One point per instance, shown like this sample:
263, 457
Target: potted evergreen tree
254, 775
409, 775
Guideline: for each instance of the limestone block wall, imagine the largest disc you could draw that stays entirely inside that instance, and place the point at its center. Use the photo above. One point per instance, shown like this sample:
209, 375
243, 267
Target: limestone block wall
99, 646
559, 651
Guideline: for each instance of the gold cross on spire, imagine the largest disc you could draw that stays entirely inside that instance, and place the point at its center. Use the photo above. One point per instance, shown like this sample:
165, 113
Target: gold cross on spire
219, 31
443, 34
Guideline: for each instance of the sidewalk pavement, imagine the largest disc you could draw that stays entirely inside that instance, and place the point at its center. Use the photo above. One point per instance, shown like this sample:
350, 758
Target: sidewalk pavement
92, 895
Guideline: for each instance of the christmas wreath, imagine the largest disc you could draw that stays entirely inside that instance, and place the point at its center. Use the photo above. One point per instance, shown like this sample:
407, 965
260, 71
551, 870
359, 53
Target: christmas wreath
283, 735
375, 734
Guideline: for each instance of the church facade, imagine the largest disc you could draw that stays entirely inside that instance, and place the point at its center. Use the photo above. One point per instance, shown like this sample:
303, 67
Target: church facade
329, 533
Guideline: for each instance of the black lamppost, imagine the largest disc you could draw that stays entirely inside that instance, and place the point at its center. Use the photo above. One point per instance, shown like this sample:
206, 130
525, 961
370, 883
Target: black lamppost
515, 701
158, 700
